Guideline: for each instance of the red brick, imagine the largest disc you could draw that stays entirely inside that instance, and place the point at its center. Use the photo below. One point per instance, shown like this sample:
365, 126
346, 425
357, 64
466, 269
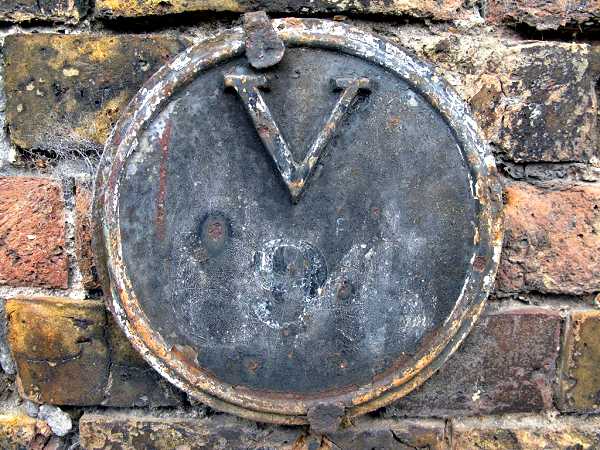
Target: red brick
544, 14
552, 240
32, 233
102, 431
507, 364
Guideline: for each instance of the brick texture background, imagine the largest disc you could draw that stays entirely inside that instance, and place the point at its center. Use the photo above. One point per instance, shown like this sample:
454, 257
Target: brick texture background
525, 378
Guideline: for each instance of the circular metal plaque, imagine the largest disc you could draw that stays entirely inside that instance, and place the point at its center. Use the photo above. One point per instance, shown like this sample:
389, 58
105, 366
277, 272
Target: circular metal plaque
322, 232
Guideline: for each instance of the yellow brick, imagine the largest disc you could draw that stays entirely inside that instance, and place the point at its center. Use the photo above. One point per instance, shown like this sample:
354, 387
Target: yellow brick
19, 431
449, 9
580, 383
65, 92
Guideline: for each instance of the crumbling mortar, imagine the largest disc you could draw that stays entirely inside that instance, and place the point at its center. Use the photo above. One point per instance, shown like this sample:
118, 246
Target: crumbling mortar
29, 163
191, 19
55, 361
563, 175
570, 32
202, 25
540, 299
6, 360
563, 307
75, 277
448, 432
6, 151
42, 28
109, 359
555, 388
206, 23
162, 412
199, 25
7, 292
561, 376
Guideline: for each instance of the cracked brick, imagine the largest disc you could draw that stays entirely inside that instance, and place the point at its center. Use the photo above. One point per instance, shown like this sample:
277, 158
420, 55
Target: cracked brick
226, 431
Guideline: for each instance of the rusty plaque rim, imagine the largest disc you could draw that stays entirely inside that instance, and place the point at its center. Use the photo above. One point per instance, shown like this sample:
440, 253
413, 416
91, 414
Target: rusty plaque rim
271, 406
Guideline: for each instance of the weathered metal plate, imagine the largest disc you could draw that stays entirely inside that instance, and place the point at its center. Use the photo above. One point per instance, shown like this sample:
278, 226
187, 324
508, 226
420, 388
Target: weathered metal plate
325, 231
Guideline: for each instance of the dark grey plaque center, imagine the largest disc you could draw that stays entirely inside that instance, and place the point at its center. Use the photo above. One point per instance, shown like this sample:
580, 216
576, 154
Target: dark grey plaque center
298, 297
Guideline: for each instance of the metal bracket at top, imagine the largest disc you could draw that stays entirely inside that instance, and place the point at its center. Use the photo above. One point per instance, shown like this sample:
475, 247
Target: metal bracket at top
264, 48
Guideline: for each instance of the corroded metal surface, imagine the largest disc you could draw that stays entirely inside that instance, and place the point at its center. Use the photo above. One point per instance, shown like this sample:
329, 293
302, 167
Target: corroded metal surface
343, 299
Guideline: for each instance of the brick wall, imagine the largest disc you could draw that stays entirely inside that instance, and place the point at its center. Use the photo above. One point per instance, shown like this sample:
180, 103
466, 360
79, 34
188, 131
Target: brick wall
525, 378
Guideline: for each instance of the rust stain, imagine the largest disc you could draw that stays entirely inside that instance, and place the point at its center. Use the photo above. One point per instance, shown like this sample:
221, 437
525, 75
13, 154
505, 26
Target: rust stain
163, 140
216, 231
479, 264
186, 353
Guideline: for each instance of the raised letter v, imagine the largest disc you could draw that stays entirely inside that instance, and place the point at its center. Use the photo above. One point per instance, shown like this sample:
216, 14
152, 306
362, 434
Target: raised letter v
295, 175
